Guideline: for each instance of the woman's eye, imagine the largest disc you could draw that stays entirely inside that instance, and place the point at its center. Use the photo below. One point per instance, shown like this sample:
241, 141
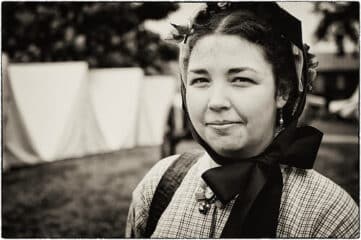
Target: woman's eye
242, 81
199, 81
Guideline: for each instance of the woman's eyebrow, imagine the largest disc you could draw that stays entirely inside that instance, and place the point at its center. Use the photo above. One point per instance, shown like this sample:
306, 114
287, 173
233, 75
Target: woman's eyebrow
241, 69
199, 71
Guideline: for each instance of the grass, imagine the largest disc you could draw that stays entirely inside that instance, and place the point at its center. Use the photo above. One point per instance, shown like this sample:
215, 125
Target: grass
89, 197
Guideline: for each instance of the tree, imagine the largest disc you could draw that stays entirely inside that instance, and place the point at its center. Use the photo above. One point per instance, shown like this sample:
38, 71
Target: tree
339, 20
105, 34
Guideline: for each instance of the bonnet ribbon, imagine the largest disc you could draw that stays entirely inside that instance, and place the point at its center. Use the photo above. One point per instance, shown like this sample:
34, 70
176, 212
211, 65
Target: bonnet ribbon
258, 183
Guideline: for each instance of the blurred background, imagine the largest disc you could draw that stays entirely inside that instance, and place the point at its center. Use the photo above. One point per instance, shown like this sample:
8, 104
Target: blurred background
90, 101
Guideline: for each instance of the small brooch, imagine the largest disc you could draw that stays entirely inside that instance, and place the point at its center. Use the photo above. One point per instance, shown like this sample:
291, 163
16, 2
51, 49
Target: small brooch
205, 198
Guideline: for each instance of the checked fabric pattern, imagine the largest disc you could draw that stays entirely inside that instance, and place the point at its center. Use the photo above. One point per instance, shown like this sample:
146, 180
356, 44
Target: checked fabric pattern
312, 206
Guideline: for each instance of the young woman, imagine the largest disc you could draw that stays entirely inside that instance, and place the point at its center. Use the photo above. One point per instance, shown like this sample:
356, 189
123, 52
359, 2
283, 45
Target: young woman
245, 74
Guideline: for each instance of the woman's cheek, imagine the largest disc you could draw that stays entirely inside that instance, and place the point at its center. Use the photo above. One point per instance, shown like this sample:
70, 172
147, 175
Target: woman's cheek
196, 105
256, 104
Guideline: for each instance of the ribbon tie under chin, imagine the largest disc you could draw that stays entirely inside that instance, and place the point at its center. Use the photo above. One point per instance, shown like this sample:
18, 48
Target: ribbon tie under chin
258, 183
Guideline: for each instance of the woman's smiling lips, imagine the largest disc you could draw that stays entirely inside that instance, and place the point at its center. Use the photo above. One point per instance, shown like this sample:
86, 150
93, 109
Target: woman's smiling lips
223, 124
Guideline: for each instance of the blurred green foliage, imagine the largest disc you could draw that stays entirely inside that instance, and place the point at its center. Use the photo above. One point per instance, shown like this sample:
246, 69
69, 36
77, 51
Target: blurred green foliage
105, 34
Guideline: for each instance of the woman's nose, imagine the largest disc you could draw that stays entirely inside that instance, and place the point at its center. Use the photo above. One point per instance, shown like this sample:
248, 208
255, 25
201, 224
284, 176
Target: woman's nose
218, 100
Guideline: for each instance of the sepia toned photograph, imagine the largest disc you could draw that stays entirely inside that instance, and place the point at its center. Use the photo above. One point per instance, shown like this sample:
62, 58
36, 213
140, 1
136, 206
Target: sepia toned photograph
180, 119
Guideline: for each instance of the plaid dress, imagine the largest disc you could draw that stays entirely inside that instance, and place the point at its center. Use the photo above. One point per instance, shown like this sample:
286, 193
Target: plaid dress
312, 206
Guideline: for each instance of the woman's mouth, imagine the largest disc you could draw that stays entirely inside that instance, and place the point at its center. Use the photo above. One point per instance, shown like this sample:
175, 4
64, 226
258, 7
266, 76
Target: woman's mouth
223, 124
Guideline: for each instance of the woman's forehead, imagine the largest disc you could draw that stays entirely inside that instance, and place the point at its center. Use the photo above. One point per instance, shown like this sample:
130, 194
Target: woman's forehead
226, 51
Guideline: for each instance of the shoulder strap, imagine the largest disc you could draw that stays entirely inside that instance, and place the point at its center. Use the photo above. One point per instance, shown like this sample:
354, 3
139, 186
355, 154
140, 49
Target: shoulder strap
167, 186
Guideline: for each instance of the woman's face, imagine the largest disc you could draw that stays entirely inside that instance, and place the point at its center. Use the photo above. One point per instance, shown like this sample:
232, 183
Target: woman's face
230, 95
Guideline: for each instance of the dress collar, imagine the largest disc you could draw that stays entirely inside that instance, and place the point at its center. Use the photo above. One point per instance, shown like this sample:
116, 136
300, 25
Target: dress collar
206, 163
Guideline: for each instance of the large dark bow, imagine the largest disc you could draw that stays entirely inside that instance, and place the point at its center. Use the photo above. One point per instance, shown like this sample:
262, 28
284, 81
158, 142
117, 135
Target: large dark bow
258, 182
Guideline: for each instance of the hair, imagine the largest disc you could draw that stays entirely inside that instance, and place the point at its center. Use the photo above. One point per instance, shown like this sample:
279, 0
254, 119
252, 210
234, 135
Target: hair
247, 25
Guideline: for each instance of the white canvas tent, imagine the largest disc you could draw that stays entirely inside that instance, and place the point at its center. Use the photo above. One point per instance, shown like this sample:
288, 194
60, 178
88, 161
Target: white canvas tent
157, 94
115, 97
46, 113
62, 110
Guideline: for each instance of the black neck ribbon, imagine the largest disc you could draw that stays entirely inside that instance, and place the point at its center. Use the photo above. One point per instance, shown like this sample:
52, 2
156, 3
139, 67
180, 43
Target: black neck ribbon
257, 182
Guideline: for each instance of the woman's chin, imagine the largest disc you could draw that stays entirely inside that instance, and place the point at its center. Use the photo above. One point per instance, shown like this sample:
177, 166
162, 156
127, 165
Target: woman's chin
228, 149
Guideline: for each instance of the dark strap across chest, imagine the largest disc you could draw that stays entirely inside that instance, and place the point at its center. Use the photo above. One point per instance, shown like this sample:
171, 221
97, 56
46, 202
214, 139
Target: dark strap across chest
167, 186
